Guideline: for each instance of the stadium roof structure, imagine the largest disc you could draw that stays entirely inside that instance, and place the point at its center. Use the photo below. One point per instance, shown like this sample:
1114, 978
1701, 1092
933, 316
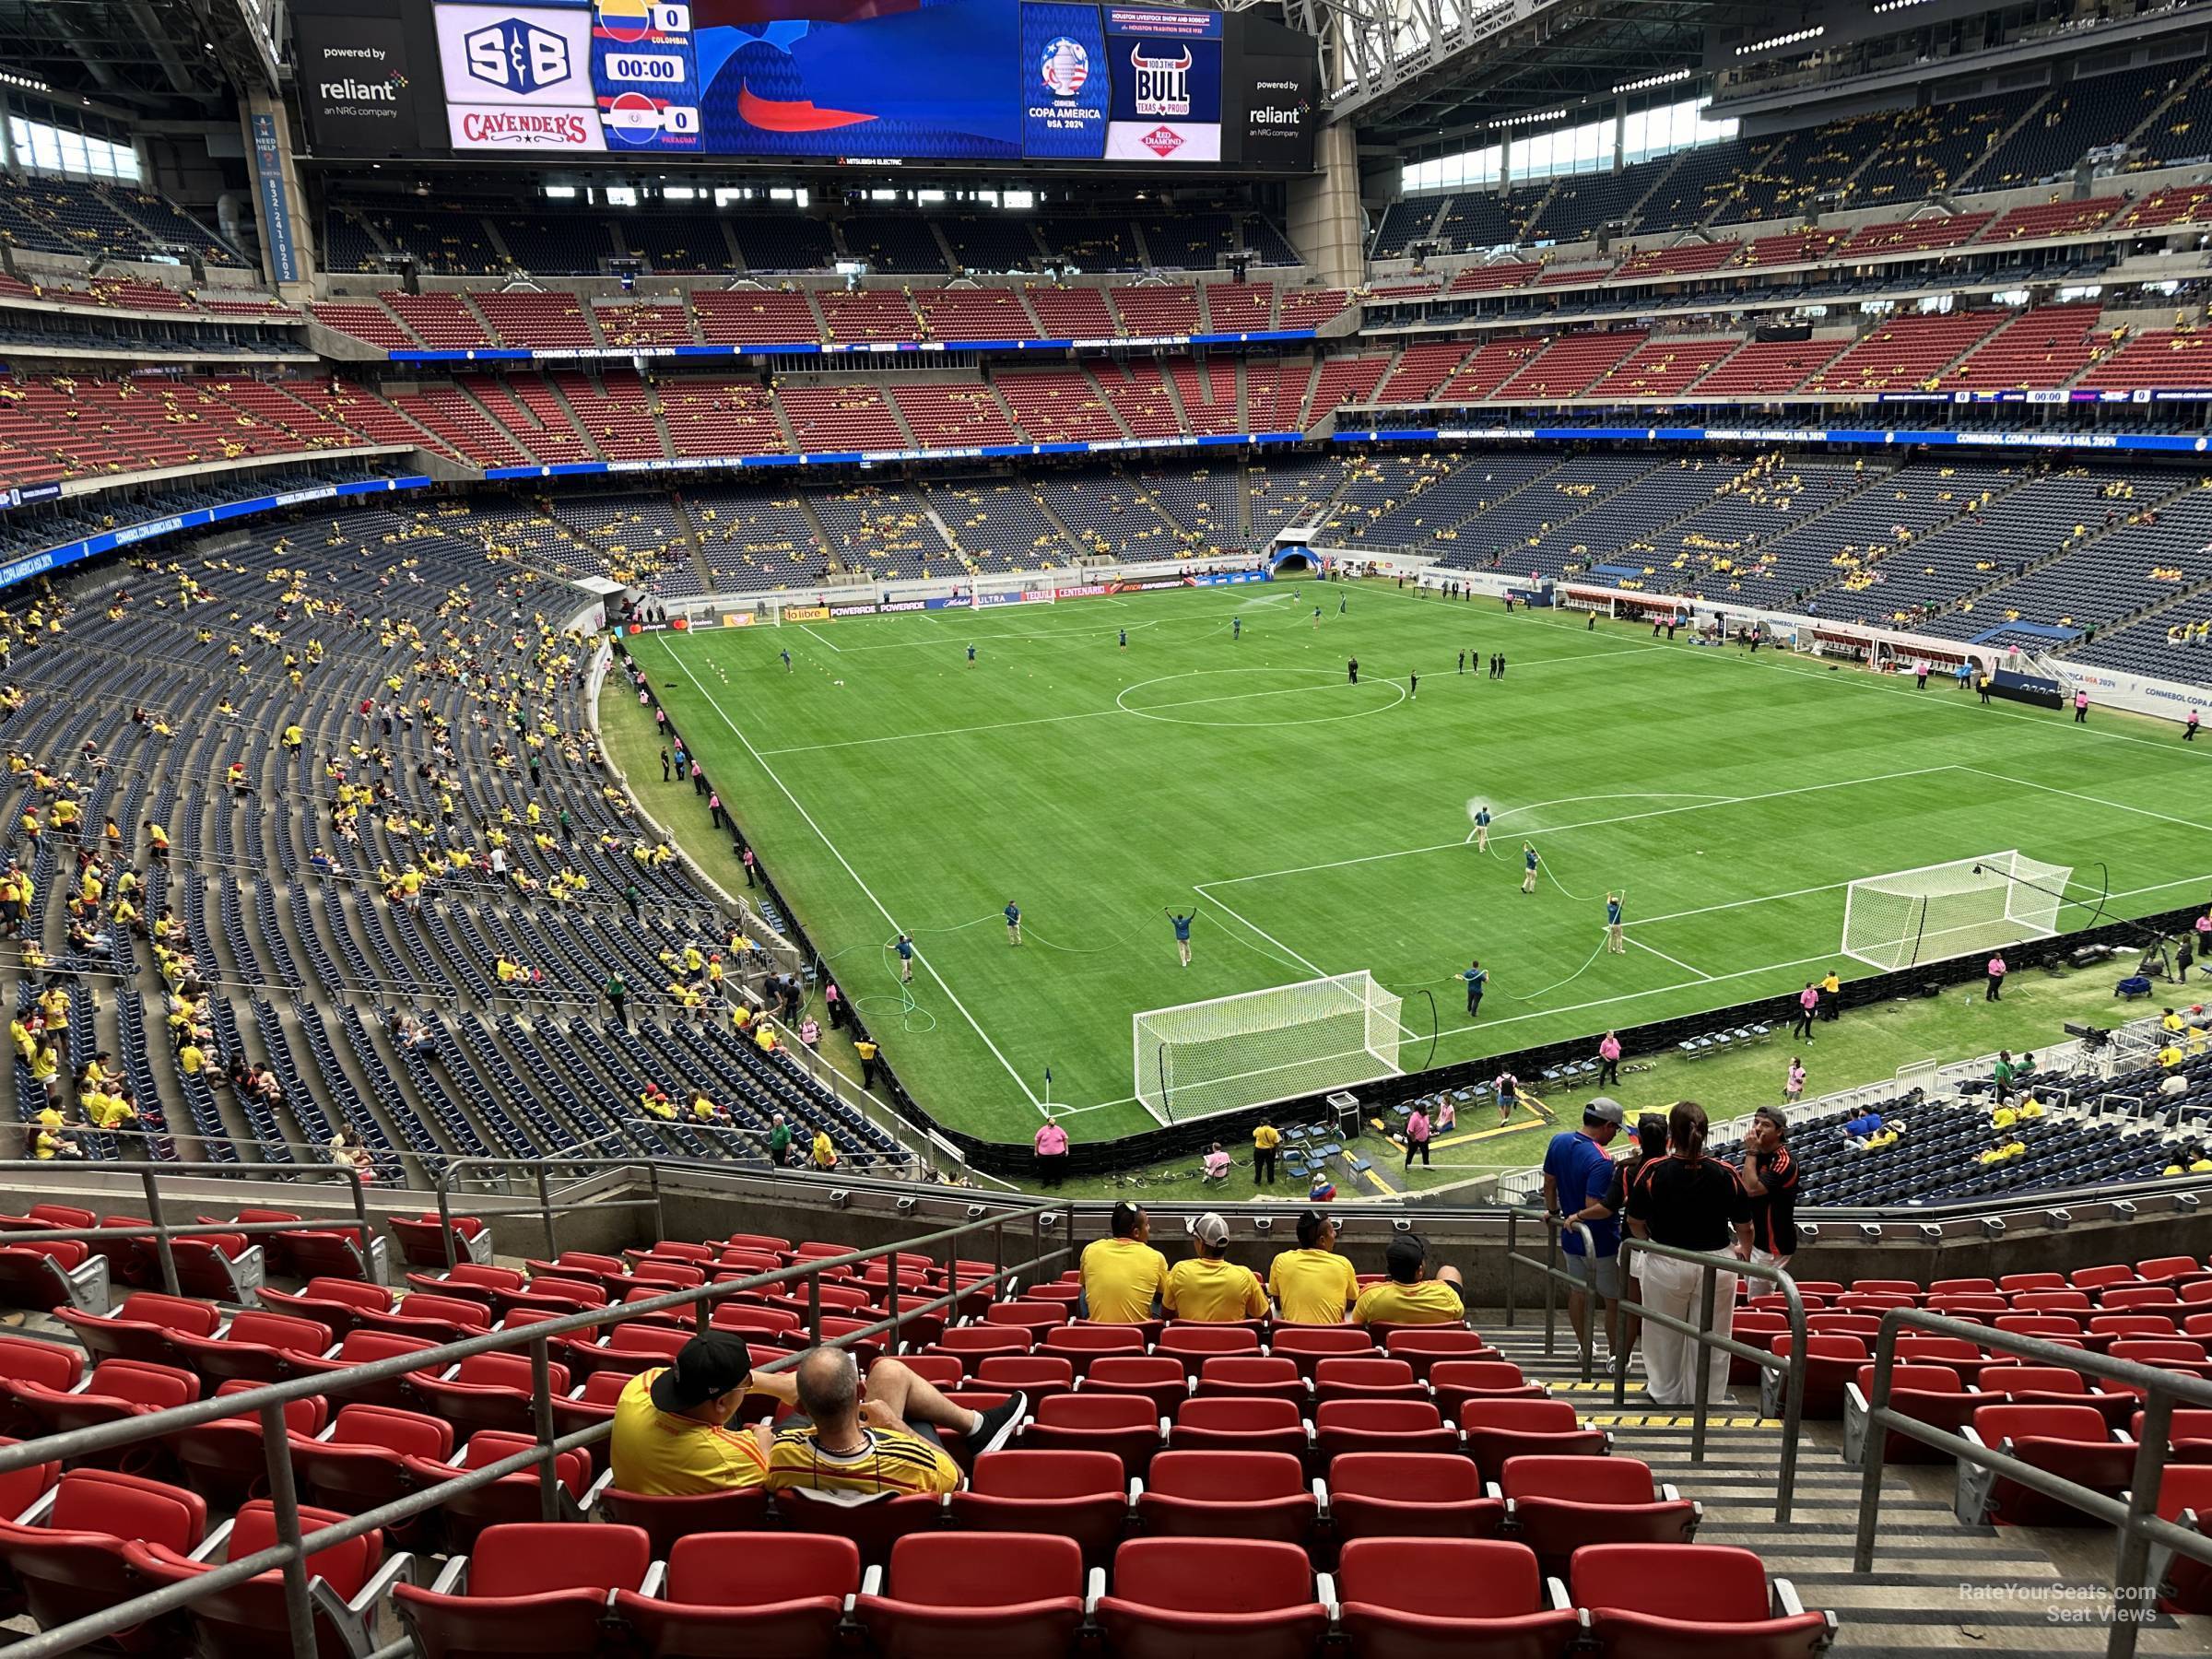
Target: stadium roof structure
1415, 72
180, 59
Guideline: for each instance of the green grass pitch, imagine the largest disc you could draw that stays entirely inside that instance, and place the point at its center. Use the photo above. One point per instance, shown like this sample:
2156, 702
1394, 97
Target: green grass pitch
1321, 827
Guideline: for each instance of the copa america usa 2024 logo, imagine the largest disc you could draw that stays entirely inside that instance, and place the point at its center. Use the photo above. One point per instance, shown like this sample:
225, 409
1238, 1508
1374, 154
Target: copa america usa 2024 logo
1065, 67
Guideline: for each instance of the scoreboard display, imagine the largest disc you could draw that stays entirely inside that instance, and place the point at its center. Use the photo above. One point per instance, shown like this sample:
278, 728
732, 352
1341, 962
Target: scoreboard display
1048, 81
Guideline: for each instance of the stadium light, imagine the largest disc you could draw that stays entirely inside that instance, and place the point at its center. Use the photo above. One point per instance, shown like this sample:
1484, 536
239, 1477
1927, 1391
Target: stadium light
1649, 81
1791, 39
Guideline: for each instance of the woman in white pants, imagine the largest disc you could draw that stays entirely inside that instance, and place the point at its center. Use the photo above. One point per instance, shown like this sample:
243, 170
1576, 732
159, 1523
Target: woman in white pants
1691, 1202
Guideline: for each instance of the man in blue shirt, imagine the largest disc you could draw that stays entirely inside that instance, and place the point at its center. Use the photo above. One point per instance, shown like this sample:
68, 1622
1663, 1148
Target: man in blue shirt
1613, 939
1479, 980
1236, 628
1577, 1173
1182, 935
1528, 868
1482, 829
788, 659
970, 656
1013, 923
905, 948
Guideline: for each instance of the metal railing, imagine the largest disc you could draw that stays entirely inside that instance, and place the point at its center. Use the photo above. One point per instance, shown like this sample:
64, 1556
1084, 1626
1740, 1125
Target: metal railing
1710, 1338
2134, 1515
289, 1554
1553, 1275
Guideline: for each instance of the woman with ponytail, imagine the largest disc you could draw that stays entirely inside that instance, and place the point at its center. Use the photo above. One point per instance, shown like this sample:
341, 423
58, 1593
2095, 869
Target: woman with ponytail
1688, 1201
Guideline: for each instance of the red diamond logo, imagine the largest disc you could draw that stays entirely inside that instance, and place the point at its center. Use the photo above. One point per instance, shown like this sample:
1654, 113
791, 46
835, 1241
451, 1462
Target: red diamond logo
1162, 140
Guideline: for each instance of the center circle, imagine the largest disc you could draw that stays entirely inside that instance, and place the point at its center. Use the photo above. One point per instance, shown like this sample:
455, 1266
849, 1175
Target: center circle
1192, 707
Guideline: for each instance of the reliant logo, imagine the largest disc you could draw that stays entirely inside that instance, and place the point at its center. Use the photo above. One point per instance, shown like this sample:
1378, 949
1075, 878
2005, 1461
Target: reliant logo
349, 91
1273, 117
516, 56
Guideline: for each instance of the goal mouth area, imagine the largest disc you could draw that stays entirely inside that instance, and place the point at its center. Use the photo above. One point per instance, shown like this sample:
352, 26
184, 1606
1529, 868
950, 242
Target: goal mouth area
1910, 918
1260, 1048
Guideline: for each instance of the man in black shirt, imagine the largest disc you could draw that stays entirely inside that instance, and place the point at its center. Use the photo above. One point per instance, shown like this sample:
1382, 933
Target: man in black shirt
1771, 1179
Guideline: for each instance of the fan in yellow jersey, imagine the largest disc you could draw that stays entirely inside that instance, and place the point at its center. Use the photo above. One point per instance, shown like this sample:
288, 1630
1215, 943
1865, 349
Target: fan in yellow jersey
673, 1436
857, 1445
1313, 1285
1210, 1288
1122, 1276
1406, 1298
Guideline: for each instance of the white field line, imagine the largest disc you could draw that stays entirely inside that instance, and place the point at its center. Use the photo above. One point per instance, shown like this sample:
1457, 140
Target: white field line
868, 892
1662, 955
1626, 818
1781, 662
1317, 971
808, 631
2093, 800
1002, 725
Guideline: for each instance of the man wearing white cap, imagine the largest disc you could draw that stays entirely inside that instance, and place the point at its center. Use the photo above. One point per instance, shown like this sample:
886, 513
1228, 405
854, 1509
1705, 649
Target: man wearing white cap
1208, 1287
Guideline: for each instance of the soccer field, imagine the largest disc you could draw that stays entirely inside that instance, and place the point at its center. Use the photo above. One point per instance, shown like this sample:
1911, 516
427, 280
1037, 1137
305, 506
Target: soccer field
1321, 826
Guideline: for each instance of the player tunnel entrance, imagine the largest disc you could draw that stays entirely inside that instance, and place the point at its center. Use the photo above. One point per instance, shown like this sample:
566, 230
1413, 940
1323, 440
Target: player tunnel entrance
1294, 561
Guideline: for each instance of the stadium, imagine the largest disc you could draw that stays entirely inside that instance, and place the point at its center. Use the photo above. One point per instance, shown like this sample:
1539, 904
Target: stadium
1002, 827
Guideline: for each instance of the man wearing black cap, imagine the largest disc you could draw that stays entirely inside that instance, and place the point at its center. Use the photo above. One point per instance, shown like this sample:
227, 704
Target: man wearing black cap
1407, 1299
1313, 1285
672, 1437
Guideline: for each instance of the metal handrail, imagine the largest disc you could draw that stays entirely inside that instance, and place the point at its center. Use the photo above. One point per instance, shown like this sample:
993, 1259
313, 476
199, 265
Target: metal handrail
2135, 1516
1553, 1274
292, 1549
1706, 1337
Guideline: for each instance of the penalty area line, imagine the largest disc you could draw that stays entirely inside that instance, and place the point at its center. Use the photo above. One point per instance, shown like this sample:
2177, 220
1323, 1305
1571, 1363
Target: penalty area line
866, 891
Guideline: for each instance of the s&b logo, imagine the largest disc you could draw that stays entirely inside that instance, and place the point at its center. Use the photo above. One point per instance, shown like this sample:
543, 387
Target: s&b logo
516, 56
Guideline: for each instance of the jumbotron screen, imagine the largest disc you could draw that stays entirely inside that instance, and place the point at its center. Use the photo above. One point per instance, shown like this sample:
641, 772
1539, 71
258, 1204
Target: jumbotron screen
907, 81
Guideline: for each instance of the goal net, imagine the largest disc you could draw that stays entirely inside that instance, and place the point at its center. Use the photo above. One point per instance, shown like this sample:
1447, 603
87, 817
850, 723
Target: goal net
1198, 1059
1948, 909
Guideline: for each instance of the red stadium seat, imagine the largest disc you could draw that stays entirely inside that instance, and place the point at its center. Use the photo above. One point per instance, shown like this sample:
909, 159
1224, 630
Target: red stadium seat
967, 1340
666, 1520
1079, 1495
1455, 1381
345, 1590
874, 1524
364, 1460
1423, 1346
487, 1391
142, 1327
1036, 1374
1385, 1378
20, 1489
1012, 1595
225, 1461
1161, 1381
1410, 1495
1692, 1601
23, 1360
68, 1561
476, 1281
60, 1277
2184, 1498
531, 1589
1384, 1425
117, 1391
2051, 1385
421, 1313
1498, 1429
729, 1594
337, 1304
1235, 1423
255, 1346
1926, 1394
1227, 1494
1125, 1425
1252, 1376
1195, 1344
1304, 1345
1449, 1598
944, 1370
2071, 1441
361, 1348
1083, 1345
512, 1499
422, 1240
1560, 1503
1228, 1598
1831, 1362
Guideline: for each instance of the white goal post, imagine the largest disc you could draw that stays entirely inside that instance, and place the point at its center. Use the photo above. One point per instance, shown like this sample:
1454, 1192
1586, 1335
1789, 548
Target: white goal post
1201, 1059
1948, 910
